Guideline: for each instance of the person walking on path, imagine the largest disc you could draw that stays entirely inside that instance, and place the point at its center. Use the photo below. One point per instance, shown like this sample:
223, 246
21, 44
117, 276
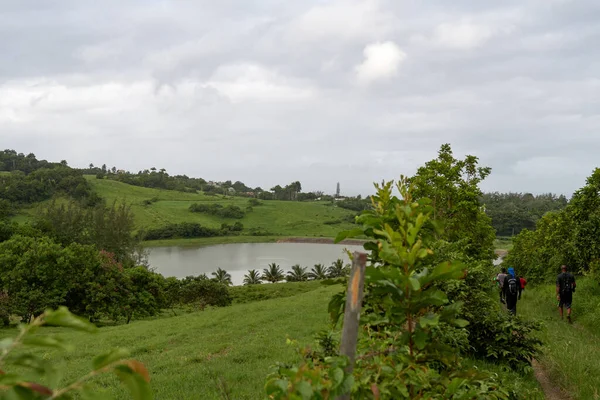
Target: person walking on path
523, 282
512, 290
565, 287
500, 281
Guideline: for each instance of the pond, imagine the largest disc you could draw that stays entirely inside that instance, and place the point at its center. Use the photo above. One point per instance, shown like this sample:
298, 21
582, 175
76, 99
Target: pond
237, 259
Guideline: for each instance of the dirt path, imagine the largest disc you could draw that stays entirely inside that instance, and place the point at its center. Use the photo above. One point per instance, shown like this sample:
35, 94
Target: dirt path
550, 391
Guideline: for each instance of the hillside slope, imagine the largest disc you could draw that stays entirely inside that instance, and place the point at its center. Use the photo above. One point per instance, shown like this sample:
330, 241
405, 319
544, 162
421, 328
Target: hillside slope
284, 218
188, 355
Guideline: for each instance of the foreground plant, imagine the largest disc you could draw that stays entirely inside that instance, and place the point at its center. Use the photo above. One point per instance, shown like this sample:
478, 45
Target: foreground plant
401, 354
26, 374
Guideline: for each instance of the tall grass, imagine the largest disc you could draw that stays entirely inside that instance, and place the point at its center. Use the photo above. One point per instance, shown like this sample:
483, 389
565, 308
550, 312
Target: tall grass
571, 352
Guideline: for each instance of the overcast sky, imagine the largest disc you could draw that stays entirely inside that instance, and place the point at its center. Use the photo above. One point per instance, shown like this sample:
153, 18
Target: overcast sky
273, 91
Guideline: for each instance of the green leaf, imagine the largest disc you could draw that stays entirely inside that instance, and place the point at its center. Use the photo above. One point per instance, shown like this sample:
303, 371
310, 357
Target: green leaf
389, 254
454, 386
414, 283
346, 385
420, 339
105, 359
348, 234
276, 385
137, 386
461, 323
63, 317
305, 390
429, 320
10, 379
47, 341
337, 375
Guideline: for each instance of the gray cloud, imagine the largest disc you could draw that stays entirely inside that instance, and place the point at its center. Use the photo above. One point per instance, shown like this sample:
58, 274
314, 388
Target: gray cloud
269, 92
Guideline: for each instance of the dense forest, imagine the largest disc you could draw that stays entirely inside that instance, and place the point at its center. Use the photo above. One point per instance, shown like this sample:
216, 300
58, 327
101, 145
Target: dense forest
513, 212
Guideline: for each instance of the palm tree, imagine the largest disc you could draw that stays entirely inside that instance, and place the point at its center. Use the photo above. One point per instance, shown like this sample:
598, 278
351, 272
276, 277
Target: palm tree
338, 269
318, 272
252, 278
297, 274
273, 274
222, 276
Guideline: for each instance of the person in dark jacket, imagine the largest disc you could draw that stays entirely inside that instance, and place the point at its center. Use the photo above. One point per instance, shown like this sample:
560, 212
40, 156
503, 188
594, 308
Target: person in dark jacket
512, 290
565, 286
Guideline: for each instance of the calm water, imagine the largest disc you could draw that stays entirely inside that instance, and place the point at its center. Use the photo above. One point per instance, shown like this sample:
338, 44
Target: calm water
237, 259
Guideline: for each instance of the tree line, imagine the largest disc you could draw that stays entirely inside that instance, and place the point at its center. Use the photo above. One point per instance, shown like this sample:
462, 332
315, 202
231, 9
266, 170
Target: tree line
568, 236
513, 212
25, 180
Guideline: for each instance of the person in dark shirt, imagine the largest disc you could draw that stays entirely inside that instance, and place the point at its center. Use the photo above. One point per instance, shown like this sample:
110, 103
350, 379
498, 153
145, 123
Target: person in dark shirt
512, 290
565, 287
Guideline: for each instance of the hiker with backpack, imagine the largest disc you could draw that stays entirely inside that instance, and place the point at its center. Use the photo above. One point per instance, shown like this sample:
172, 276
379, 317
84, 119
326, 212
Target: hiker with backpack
512, 290
565, 287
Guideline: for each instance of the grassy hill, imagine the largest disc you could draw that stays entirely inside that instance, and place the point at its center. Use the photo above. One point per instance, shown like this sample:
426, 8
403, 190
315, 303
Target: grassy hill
190, 356
223, 353
279, 218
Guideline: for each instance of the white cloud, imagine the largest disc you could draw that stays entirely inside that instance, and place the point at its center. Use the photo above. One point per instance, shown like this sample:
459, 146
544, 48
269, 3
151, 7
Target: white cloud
382, 61
462, 35
342, 20
252, 82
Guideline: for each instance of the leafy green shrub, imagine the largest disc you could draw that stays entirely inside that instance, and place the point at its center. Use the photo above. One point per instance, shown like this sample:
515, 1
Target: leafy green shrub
255, 202
354, 204
508, 340
229, 211
182, 230
204, 292
259, 231
28, 375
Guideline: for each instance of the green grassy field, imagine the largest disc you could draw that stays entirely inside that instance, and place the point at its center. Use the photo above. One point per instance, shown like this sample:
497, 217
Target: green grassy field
222, 353
281, 218
571, 352
188, 355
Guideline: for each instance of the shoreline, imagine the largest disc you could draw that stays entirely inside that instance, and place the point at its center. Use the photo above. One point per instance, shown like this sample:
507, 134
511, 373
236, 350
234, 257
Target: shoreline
221, 240
322, 240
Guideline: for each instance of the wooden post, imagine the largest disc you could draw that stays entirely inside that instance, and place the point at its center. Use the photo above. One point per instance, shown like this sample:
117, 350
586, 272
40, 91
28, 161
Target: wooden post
354, 298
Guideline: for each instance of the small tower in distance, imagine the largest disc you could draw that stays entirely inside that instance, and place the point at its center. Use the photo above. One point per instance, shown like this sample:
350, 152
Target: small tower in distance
337, 190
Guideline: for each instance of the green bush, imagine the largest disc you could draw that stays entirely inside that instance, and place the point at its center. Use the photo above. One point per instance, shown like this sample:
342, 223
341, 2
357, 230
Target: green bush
204, 292
229, 211
181, 230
